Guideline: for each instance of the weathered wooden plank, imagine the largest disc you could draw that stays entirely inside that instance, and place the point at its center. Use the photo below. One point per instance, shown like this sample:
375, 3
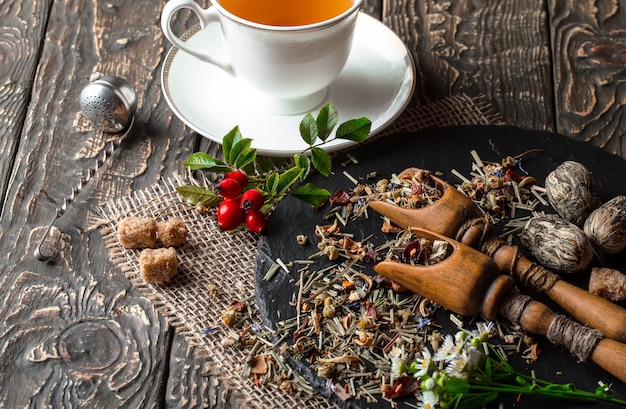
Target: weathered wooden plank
500, 50
74, 331
21, 35
589, 58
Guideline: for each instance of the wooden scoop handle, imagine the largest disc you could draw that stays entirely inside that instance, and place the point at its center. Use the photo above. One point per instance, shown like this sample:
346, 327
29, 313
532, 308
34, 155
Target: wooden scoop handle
587, 308
447, 215
537, 318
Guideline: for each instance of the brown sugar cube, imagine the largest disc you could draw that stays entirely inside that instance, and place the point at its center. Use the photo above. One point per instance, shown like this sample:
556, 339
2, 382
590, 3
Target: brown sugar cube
172, 232
608, 283
137, 232
158, 266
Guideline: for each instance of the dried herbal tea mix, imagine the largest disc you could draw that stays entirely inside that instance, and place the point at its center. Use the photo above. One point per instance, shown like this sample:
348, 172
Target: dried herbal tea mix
369, 338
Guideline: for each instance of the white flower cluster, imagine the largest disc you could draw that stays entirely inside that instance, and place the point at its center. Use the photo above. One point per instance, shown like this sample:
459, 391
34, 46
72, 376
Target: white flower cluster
458, 357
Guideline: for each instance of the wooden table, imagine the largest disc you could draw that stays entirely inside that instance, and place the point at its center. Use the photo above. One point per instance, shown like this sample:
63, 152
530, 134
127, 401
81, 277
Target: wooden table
74, 331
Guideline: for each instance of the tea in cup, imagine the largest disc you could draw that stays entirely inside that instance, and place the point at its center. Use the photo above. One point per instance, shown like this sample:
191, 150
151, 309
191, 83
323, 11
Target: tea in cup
287, 52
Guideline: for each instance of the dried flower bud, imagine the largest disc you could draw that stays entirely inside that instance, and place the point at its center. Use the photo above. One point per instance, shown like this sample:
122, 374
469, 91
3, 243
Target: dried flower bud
329, 310
354, 296
288, 386
364, 338
229, 317
332, 253
557, 244
606, 226
571, 191
326, 370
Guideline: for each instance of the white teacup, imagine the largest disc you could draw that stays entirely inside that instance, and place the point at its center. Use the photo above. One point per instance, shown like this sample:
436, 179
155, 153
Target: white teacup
289, 66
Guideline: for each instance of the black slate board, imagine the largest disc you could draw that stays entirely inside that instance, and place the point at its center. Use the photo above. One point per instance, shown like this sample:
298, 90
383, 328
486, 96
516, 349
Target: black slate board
441, 150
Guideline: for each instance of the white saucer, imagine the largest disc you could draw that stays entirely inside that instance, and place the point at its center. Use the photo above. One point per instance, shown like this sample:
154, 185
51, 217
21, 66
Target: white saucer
377, 82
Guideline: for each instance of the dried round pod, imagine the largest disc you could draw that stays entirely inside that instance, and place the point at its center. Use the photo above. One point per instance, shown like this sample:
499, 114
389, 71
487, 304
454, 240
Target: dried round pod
606, 226
571, 191
557, 244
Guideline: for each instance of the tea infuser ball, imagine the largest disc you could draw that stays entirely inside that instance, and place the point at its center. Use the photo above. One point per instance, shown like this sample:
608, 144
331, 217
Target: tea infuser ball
109, 103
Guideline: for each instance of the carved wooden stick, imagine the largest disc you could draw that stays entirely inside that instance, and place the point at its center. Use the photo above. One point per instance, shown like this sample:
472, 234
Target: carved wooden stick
453, 210
468, 282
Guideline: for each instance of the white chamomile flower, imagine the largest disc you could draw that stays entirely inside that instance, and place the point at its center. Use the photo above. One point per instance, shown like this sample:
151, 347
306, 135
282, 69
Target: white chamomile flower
423, 363
429, 400
398, 367
458, 368
447, 351
483, 330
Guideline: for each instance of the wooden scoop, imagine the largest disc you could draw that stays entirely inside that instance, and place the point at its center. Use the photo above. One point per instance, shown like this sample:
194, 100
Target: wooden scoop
468, 282
448, 214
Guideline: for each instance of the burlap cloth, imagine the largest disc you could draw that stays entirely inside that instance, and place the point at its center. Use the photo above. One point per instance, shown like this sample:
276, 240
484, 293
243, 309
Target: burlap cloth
212, 258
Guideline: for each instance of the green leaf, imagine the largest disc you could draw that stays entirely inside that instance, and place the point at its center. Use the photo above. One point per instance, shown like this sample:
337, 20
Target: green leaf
271, 185
308, 129
321, 161
477, 401
488, 370
311, 194
355, 129
230, 140
326, 121
268, 164
245, 158
303, 162
457, 385
203, 161
241, 147
196, 195
287, 179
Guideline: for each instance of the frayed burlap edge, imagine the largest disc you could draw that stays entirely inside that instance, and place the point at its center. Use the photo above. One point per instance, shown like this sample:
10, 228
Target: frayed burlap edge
225, 260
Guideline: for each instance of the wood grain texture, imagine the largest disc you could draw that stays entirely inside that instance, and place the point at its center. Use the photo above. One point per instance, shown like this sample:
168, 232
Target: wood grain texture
74, 331
589, 46
21, 34
497, 49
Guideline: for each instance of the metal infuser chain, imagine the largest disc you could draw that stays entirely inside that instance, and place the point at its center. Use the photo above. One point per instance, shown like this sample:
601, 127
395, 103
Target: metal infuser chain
91, 172
109, 103
84, 180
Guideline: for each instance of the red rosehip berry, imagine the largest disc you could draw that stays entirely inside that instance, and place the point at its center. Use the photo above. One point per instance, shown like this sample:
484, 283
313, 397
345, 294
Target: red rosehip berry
229, 188
256, 222
239, 176
230, 214
252, 199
